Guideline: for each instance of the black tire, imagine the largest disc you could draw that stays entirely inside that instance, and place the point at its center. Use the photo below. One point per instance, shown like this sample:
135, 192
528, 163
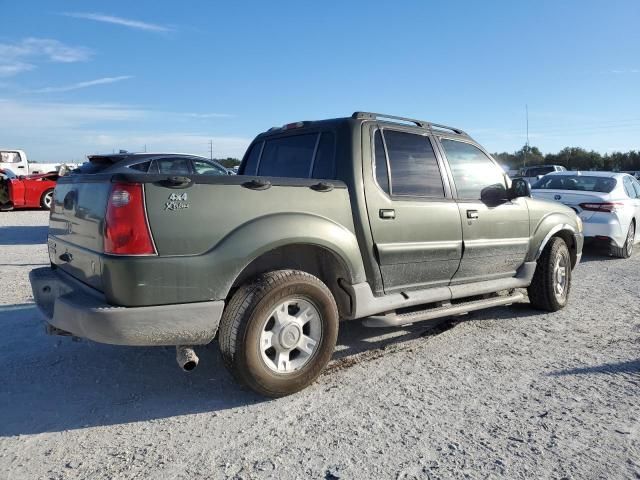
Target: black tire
627, 249
543, 293
48, 194
243, 323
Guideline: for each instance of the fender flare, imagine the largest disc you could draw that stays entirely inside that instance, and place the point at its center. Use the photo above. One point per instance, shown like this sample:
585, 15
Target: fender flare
261, 235
551, 233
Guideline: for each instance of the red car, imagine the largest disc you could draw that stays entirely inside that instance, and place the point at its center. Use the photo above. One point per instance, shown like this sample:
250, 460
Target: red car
32, 191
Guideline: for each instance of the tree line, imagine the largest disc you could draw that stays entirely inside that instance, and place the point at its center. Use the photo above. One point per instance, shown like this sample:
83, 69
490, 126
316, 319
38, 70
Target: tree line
573, 158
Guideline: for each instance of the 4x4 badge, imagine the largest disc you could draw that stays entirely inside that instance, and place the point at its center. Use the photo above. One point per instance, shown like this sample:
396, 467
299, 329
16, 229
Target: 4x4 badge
177, 201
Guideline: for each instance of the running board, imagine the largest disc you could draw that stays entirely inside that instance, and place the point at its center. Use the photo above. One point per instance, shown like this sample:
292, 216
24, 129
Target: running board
396, 320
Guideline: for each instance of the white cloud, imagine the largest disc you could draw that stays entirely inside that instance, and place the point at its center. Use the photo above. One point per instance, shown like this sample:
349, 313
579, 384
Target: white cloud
125, 22
80, 85
623, 71
207, 115
56, 131
14, 56
10, 69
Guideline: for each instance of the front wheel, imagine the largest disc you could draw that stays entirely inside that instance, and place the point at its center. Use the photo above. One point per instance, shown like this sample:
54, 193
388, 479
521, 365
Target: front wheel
47, 199
551, 283
278, 332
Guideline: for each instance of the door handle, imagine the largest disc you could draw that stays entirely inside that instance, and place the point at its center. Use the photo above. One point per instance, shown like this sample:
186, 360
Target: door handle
387, 213
473, 214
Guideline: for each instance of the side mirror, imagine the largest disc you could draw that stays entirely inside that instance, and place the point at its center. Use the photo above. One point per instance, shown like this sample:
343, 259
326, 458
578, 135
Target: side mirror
494, 194
519, 188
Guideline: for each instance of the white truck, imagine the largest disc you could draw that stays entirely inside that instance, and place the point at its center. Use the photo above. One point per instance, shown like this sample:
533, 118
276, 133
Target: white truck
16, 161
536, 172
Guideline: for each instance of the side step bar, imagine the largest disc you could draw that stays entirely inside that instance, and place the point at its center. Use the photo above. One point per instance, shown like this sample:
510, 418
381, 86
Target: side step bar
396, 320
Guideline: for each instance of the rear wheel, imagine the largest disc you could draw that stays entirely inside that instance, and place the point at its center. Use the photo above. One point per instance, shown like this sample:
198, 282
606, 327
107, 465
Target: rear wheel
551, 283
47, 199
278, 332
627, 249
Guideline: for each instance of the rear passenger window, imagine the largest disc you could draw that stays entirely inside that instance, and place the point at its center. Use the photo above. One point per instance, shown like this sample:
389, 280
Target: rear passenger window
173, 166
251, 165
628, 187
288, 156
414, 168
382, 173
324, 163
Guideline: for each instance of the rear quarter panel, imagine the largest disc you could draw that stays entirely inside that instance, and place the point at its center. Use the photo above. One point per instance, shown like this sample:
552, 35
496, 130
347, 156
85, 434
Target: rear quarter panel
218, 228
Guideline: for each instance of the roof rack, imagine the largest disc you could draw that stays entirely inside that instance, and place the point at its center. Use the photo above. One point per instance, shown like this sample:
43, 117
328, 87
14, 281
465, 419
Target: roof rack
419, 123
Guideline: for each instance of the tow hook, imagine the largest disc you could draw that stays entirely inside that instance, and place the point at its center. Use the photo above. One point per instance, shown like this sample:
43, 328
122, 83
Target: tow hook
186, 358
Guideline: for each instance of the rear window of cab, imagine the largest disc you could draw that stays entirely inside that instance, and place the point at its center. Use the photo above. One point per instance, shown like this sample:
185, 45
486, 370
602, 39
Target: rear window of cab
307, 155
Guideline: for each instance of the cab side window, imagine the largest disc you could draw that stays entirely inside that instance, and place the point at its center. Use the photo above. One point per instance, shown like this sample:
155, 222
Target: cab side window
414, 167
471, 168
9, 157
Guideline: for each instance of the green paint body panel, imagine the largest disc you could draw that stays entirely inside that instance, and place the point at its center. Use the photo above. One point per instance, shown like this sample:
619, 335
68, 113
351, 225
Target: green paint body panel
204, 247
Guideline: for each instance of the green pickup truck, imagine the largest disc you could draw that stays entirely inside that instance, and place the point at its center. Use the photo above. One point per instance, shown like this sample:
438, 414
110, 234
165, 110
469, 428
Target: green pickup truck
374, 217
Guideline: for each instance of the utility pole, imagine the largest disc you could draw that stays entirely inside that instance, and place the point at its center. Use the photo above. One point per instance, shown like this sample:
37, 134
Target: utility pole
526, 108
211, 149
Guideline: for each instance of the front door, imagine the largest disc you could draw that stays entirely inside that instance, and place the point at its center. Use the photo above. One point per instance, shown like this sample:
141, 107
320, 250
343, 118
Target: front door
415, 223
496, 234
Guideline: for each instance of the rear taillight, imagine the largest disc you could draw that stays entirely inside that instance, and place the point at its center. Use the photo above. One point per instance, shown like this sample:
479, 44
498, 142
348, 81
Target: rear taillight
608, 207
126, 230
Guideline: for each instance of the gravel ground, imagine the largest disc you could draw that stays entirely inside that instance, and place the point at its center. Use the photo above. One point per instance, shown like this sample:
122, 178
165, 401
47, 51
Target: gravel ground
504, 393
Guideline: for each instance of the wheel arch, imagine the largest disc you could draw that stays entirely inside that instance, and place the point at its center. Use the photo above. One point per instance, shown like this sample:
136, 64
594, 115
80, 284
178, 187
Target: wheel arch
317, 260
567, 233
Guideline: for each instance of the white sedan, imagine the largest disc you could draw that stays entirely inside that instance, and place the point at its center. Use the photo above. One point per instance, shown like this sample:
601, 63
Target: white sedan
607, 202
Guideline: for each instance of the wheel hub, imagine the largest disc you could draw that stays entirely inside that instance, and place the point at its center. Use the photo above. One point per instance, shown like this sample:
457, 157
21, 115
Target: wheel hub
560, 276
290, 335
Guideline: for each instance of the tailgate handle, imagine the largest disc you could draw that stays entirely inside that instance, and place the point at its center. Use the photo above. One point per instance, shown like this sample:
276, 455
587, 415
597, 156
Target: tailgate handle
322, 187
257, 184
387, 214
177, 182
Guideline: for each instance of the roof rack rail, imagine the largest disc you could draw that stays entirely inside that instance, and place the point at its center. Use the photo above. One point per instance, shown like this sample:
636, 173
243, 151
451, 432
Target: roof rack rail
419, 123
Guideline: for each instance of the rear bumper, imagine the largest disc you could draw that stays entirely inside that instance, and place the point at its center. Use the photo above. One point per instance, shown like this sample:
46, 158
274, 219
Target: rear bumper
605, 226
82, 311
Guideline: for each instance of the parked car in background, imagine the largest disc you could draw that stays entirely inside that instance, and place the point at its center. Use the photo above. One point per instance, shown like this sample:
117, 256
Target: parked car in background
370, 216
536, 172
608, 204
32, 191
17, 162
152, 163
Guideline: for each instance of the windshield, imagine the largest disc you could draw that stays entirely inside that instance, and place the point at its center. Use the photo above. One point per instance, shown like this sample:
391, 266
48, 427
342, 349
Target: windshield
576, 182
8, 174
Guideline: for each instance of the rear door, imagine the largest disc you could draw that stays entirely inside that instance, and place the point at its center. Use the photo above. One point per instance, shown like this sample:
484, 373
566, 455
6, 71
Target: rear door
496, 237
415, 223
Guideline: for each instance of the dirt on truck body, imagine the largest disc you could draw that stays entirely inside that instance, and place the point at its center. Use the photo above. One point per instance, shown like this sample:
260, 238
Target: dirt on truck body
371, 216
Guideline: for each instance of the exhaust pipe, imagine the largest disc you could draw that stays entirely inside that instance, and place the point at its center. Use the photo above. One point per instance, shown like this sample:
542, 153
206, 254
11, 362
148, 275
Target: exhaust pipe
186, 358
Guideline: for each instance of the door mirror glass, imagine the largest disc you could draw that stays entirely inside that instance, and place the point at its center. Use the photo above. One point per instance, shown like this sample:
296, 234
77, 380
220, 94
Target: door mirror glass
519, 188
493, 194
